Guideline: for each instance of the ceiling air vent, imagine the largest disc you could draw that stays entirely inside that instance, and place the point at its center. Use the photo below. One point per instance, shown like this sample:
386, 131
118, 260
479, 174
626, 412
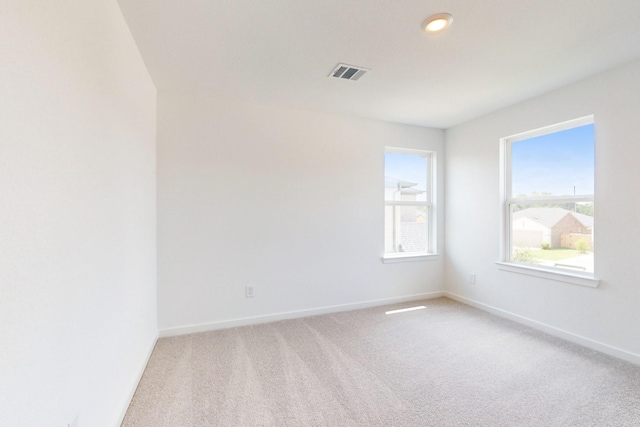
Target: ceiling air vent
348, 72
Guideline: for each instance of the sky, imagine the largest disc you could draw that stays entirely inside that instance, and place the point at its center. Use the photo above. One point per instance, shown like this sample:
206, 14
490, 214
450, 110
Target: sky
554, 163
406, 167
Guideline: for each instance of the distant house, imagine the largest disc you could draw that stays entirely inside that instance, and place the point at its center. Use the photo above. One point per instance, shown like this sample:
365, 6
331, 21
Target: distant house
405, 227
560, 228
398, 189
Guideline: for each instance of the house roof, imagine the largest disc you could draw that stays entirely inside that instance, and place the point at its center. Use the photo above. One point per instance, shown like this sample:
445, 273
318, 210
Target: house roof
406, 187
549, 217
585, 220
391, 182
281, 52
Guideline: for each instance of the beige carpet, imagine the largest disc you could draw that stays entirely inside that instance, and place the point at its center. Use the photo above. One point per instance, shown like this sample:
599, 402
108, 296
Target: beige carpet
446, 365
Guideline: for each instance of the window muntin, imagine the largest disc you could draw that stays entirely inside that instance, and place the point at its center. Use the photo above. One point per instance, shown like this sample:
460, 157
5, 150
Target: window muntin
548, 203
408, 202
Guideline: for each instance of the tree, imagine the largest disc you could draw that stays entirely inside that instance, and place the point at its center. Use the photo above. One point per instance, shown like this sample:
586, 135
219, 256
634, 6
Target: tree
585, 208
524, 255
582, 245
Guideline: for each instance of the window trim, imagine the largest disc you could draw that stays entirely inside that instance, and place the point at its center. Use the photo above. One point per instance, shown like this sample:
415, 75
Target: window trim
413, 256
430, 204
574, 278
506, 200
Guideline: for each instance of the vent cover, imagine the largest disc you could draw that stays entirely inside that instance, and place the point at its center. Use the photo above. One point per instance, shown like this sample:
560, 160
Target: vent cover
348, 72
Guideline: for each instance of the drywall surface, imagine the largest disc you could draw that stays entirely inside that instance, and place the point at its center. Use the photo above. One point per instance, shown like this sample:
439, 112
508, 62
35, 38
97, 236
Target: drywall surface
77, 241
609, 314
288, 201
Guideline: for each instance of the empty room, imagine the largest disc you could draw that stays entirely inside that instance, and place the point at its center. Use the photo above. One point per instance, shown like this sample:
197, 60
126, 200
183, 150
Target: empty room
319, 213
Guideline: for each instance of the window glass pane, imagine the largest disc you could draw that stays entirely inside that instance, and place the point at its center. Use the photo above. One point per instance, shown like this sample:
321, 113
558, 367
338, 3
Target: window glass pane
555, 164
405, 177
405, 229
553, 235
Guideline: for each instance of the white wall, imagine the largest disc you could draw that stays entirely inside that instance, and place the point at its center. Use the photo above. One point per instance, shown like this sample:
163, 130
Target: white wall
289, 201
77, 213
609, 314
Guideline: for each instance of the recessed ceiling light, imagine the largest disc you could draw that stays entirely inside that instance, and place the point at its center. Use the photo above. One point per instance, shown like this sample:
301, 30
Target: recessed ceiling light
437, 22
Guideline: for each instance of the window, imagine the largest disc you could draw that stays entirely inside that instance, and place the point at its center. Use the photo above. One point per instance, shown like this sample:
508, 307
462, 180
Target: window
408, 195
548, 209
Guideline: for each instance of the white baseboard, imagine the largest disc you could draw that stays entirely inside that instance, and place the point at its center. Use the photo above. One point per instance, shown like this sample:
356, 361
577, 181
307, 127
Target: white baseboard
232, 323
551, 330
134, 385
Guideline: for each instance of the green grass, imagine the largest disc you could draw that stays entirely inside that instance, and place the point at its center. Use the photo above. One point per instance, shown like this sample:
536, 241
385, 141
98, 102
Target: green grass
555, 254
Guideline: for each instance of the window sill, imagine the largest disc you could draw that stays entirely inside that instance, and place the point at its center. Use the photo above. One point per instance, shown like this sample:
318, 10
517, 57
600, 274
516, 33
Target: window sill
418, 256
582, 279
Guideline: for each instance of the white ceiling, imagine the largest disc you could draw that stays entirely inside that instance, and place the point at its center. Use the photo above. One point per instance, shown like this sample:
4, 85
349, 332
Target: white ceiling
279, 52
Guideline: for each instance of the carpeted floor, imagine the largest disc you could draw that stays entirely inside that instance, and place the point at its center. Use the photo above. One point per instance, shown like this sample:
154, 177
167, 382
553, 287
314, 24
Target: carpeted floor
446, 365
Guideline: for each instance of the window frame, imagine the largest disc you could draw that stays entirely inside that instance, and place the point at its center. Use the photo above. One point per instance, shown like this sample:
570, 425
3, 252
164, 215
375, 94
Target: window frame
507, 200
430, 205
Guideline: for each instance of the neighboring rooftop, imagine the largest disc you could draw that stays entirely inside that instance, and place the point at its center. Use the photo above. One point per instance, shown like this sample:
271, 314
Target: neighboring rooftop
549, 217
406, 186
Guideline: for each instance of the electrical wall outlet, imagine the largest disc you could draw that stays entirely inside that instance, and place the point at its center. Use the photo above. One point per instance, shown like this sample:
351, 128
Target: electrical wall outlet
472, 278
249, 292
